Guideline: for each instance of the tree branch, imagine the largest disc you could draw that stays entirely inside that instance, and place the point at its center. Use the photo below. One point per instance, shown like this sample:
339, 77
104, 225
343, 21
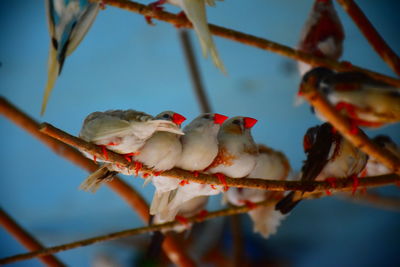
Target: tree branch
248, 39
343, 125
371, 34
375, 200
171, 246
202, 178
26, 239
126, 233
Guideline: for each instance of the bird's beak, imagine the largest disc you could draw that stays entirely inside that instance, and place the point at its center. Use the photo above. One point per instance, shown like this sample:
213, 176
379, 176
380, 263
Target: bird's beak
249, 122
178, 119
219, 119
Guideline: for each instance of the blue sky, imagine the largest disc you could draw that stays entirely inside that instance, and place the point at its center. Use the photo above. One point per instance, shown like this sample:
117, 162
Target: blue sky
124, 63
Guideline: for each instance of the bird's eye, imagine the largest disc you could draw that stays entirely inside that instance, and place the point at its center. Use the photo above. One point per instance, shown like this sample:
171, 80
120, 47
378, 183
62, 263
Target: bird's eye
166, 116
237, 122
206, 116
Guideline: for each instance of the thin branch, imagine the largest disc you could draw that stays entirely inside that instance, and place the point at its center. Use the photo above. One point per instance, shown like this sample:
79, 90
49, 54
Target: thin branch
371, 34
194, 71
126, 233
376, 200
171, 246
343, 125
248, 39
202, 178
26, 239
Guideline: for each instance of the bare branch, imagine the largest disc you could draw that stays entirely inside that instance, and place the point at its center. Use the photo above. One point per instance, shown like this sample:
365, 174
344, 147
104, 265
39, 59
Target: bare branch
26, 239
202, 178
371, 34
343, 125
126, 233
375, 200
248, 39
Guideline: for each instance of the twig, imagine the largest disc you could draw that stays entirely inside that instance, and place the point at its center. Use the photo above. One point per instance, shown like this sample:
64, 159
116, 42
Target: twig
126, 233
248, 39
198, 86
376, 200
26, 239
371, 34
176, 173
238, 242
171, 247
344, 126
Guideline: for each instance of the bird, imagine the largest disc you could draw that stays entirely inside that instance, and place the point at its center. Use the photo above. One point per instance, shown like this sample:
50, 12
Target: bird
329, 156
322, 34
195, 11
69, 21
374, 167
237, 151
199, 149
126, 132
271, 164
364, 100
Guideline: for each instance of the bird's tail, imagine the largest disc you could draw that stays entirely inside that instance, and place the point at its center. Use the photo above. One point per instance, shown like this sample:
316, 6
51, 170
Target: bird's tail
53, 71
93, 181
196, 13
287, 203
154, 249
266, 220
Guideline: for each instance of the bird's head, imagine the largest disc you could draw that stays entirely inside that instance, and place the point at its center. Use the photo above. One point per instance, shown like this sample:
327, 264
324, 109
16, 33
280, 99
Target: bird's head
238, 125
176, 118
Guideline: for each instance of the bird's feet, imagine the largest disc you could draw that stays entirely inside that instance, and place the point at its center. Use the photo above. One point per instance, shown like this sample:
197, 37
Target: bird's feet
250, 204
182, 220
129, 156
202, 215
183, 182
155, 6
222, 179
137, 167
182, 16
332, 183
356, 183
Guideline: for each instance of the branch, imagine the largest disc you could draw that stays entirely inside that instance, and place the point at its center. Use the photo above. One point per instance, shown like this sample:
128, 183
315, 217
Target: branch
248, 39
171, 247
376, 200
131, 232
26, 239
176, 173
371, 34
343, 125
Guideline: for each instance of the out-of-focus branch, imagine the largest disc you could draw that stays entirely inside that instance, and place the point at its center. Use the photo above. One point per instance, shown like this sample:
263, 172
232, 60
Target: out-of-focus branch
371, 34
171, 247
26, 239
126, 233
375, 200
247, 39
344, 126
274, 185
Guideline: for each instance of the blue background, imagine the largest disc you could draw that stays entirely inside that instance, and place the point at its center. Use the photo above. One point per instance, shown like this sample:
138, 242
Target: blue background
124, 63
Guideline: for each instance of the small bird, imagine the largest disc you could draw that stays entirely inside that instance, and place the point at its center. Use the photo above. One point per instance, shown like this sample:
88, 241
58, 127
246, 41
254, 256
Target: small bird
237, 151
125, 132
199, 148
329, 156
322, 34
195, 11
69, 21
366, 101
271, 164
374, 167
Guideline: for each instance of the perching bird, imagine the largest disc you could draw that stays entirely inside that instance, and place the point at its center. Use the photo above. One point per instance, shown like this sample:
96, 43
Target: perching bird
124, 132
366, 101
374, 167
329, 155
322, 34
195, 11
271, 164
69, 21
237, 151
199, 148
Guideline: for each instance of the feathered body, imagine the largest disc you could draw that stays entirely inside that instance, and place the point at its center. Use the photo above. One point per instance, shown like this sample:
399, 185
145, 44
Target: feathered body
69, 21
366, 101
270, 164
322, 34
329, 155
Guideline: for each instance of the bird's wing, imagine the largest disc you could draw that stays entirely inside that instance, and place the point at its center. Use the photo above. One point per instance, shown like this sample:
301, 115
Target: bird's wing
104, 127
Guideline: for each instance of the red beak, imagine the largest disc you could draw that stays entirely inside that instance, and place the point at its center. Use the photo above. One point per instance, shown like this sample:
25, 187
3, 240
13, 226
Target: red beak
178, 118
219, 119
249, 122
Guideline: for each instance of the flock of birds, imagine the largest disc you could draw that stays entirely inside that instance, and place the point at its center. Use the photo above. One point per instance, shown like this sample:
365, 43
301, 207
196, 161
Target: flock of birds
212, 143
